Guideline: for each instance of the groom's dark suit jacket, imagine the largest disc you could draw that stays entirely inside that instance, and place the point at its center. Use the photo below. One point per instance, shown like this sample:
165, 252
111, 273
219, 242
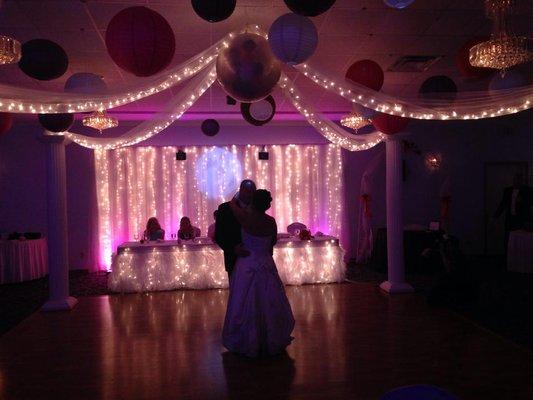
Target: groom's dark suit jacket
227, 234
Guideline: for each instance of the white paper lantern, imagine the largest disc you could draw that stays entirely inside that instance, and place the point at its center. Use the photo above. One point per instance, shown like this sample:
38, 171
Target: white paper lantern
293, 38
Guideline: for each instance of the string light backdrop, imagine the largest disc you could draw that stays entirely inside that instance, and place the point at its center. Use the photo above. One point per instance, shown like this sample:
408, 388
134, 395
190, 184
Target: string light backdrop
136, 183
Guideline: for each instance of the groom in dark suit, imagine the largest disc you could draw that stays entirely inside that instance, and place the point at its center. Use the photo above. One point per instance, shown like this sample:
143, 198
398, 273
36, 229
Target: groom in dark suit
227, 228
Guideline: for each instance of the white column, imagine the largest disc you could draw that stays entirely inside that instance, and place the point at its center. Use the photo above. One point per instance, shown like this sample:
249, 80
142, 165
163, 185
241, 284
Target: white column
59, 298
395, 257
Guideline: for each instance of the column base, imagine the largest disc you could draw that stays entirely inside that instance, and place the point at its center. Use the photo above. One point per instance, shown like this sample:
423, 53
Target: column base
65, 304
396, 288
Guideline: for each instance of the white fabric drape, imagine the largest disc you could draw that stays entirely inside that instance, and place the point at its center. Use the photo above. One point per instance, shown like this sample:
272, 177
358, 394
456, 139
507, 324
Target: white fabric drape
136, 183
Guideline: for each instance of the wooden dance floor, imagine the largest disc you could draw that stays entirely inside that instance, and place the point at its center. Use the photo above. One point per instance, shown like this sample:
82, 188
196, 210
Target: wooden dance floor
351, 342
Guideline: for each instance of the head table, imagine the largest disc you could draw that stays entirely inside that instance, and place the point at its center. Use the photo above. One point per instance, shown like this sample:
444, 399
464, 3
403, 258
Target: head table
199, 264
23, 260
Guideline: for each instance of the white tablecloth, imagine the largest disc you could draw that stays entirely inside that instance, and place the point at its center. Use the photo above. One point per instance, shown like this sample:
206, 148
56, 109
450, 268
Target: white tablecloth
23, 260
200, 265
520, 252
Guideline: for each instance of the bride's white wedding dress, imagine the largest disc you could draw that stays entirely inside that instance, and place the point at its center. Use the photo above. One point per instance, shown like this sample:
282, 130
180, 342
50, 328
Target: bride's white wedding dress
259, 318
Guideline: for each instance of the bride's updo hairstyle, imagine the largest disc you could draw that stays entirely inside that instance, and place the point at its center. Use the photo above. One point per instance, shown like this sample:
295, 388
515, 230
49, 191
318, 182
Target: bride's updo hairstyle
262, 199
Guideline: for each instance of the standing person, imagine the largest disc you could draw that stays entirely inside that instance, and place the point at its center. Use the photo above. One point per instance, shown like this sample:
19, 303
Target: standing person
211, 228
259, 319
228, 228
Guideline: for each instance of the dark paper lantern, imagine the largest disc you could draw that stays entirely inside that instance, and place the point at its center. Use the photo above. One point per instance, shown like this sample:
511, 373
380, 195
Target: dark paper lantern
309, 8
399, 4
439, 87
389, 124
85, 82
462, 60
367, 73
43, 59
6, 122
259, 113
214, 10
140, 41
247, 69
210, 127
293, 38
56, 122
511, 80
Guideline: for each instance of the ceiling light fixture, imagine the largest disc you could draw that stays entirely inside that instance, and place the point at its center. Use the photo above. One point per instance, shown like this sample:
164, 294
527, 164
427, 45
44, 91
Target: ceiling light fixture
10, 52
100, 120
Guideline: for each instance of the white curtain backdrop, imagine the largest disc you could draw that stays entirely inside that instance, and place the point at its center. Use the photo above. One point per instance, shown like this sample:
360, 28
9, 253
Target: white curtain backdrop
136, 183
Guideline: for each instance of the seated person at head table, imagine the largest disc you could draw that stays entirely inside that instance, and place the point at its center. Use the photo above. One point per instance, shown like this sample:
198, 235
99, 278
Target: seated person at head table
153, 230
211, 229
187, 231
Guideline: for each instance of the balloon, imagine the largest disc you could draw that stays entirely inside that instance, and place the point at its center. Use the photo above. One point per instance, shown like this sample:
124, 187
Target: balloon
389, 124
247, 69
43, 59
462, 60
399, 4
6, 122
418, 392
56, 122
214, 10
367, 73
309, 8
85, 82
140, 41
511, 79
438, 87
210, 127
293, 38
260, 112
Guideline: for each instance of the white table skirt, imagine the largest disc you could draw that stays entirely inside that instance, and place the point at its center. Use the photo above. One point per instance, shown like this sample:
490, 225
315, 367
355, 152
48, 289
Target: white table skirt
200, 265
520, 252
23, 260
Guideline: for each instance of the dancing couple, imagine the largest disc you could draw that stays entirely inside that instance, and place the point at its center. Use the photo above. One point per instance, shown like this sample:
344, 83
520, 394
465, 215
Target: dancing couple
259, 318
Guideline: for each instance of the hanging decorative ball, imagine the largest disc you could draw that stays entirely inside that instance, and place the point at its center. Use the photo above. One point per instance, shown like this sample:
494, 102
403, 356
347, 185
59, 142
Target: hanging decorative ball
6, 122
439, 87
511, 80
399, 4
56, 122
43, 59
418, 392
214, 10
389, 124
247, 69
293, 38
259, 113
309, 8
462, 60
85, 82
140, 41
210, 127
367, 73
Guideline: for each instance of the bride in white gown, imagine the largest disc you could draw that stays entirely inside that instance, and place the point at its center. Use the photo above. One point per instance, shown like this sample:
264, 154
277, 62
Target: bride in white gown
259, 318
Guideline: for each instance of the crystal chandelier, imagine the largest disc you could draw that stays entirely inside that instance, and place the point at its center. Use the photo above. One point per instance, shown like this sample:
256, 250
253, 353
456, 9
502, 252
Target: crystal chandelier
354, 121
10, 52
100, 120
504, 50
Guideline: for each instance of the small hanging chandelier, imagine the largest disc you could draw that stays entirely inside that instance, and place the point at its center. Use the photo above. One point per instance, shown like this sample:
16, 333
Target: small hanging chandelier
504, 50
10, 52
354, 121
100, 120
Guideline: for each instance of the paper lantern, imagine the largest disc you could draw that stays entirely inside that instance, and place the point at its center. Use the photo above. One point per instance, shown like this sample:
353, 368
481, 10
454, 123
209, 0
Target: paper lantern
260, 112
511, 79
140, 41
56, 122
43, 59
85, 82
247, 69
6, 122
389, 124
210, 127
309, 8
214, 10
367, 73
418, 392
438, 87
293, 38
399, 4
462, 60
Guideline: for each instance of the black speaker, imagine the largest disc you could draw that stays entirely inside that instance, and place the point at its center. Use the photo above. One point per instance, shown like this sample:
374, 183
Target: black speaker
181, 155
263, 155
